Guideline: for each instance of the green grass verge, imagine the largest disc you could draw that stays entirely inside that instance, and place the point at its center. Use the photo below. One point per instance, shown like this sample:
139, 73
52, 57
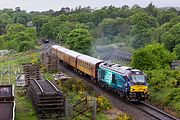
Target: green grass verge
24, 108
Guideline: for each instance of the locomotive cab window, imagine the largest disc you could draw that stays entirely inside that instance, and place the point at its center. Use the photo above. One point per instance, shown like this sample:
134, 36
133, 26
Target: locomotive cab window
113, 79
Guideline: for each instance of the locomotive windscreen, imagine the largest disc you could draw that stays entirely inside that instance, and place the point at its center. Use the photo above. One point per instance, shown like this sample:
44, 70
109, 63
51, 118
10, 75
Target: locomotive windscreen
138, 78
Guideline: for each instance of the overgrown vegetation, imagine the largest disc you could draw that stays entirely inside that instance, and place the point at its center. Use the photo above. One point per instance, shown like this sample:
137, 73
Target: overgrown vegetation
152, 57
164, 89
76, 90
18, 38
24, 108
164, 83
84, 28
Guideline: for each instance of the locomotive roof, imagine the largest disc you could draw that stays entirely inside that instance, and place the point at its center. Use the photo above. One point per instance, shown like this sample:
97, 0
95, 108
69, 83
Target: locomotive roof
118, 68
89, 59
73, 53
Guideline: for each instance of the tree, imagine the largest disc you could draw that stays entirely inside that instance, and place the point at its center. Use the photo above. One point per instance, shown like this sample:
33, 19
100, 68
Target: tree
21, 17
143, 26
143, 17
5, 19
17, 9
39, 21
125, 7
79, 40
152, 10
172, 37
22, 36
107, 27
177, 50
16, 35
64, 30
15, 28
152, 56
1, 43
166, 16
25, 45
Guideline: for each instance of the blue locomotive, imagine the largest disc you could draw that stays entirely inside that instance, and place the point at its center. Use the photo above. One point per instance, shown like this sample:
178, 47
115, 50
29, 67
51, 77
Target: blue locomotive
129, 83
126, 82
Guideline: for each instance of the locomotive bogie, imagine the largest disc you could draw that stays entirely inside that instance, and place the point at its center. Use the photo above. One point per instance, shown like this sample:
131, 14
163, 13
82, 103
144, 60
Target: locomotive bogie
140, 96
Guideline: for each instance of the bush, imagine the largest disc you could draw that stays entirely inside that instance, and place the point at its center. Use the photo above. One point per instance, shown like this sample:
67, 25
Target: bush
25, 45
103, 103
177, 106
123, 117
152, 56
173, 95
73, 85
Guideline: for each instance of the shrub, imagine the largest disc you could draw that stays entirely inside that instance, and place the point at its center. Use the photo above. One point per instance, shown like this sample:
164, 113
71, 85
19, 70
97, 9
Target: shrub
173, 95
25, 45
152, 56
123, 117
103, 103
73, 85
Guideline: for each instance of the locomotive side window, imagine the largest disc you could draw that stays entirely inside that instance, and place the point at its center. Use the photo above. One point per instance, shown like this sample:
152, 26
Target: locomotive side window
102, 74
113, 79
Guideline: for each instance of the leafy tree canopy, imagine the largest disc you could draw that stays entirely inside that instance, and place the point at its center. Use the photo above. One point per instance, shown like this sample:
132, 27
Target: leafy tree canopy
172, 37
177, 50
152, 56
79, 40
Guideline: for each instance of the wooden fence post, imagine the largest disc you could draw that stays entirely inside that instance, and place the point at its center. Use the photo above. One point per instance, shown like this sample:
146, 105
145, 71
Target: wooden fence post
66, 109
94, 110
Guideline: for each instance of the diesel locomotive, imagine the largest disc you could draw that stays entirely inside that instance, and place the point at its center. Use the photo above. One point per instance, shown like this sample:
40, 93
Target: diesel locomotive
130, 84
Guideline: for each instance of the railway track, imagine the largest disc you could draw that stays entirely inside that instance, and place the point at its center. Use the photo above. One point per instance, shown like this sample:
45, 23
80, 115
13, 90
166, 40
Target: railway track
141, 111
155, 112
47, 99
44, 86
145, 108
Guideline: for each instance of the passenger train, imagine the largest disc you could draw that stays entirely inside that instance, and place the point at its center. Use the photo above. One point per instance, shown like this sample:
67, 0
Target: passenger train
125, 81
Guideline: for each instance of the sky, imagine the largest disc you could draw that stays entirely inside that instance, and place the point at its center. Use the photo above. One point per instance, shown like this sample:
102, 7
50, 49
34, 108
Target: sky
44, 5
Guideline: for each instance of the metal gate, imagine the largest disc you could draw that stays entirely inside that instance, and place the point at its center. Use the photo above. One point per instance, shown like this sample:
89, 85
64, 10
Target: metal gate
85, 108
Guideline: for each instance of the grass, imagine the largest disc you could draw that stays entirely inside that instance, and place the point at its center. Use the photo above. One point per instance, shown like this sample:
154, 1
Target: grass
75, 90
24, 108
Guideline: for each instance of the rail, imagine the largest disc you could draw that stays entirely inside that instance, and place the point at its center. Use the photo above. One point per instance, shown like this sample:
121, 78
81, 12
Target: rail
39, 86
53, 86
160, 111
154, 112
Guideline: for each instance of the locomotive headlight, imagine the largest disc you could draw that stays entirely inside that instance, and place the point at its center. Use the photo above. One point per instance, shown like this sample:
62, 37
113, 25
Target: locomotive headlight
132, 89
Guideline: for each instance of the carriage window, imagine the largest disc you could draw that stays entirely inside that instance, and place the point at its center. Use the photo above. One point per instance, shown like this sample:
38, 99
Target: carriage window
113, 79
